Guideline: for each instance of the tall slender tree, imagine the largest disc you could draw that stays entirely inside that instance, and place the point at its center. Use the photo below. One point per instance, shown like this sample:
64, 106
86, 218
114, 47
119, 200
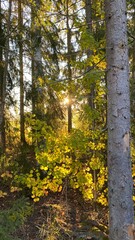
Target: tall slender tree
119, 164
132, 47
4, 74
133, 67
20, 42
91, 95
69, 66
36, 57
2, 43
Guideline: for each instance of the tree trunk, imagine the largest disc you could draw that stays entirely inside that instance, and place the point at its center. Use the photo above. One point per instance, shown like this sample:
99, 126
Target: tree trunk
91, 94
2, 43
20, 25
3, 74
69, 69
37, 101
36, 61
120, 184
133, 71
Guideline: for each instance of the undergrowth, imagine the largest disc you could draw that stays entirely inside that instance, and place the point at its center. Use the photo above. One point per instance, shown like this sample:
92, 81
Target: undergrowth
13, 218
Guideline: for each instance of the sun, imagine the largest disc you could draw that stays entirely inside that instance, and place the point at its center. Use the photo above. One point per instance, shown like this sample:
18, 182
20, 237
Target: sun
66, 101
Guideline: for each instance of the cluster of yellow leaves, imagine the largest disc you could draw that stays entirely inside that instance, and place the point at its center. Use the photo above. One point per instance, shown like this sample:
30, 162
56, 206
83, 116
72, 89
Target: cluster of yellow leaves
68, 156
2, 194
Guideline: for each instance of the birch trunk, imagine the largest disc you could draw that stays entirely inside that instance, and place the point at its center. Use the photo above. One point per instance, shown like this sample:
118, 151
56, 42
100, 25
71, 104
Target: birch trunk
119, 165
36, 60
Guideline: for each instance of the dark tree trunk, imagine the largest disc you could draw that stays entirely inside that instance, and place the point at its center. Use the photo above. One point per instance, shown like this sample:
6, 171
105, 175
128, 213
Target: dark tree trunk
69, 68
91, 94
3, 75
20, 25
2, 43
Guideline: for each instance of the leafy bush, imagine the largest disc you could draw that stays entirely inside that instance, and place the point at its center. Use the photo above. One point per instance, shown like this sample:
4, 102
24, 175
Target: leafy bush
74, 157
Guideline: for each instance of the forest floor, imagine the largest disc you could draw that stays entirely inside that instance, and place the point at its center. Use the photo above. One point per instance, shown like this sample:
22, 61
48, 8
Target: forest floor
64, 216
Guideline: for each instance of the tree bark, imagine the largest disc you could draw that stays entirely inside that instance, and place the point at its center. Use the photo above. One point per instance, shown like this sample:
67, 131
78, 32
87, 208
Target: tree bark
36, 60
91, 94
2, 43
120, 184
133, 71
20, 25
3, 82
69, 68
